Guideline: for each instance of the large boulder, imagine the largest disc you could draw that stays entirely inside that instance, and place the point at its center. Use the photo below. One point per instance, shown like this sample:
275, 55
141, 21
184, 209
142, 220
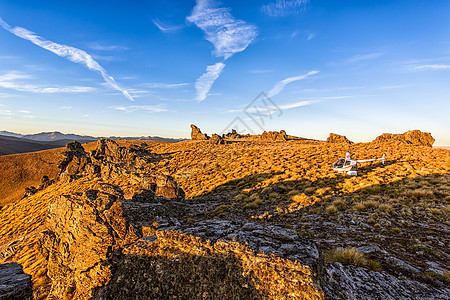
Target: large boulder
216, 140
274, 136
167, 187
336, 138
197, 135
412, 137
85, 229
14, 283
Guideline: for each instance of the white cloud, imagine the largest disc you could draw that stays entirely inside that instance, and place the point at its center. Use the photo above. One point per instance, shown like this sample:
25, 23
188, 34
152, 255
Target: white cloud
158, 85
431, 67
284, 8
205, 82
166, 28
280, 85
228, 35
25, 111
15, 81
99, 47
66, 107
311, 36
357, 58
132, 108
73, 54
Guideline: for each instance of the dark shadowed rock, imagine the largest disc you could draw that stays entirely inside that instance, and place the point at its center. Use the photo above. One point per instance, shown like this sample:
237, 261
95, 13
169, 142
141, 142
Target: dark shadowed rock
336, 138
14, 283
274, 136
351, 282
412, 137
216, 140
197, 135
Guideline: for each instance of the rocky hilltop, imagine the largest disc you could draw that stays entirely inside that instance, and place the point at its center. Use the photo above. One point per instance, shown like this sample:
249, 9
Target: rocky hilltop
412, 137
246, 220
336, 138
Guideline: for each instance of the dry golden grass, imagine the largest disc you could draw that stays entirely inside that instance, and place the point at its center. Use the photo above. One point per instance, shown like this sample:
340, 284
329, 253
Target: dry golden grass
348, 256
225, 269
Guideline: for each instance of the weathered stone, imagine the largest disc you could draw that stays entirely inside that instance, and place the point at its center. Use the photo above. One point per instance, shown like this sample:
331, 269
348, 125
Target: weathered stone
351, 282
196, 134
412, 137
216, 140
336, 138
83, 230
14, 283
274, 136
168, 188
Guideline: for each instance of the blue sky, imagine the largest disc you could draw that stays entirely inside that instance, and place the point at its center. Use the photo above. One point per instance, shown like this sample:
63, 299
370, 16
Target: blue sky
132, 68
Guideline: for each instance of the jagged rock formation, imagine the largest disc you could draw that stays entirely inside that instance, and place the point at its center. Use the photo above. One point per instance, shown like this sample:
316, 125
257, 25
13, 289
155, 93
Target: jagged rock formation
83, 231
350, 282
216, 140
412, 137
274, 136
197, 135
233, 135
108, 160
14, 283
336, 138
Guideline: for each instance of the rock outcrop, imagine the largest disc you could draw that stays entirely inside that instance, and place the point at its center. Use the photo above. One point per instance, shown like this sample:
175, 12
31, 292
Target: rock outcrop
412, 137
109, 161
85, 229
274, 136
197, 135
336, 138
233, 135
14, 283
351, 282
216, 140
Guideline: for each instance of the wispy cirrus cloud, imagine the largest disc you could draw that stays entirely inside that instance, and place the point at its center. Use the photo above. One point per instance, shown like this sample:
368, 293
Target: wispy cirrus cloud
71, 53
165, 27
132, 108
280, 85
433, 67
100, 47
284, 8
368, 56
17, 81
205, 82
228, 35
159, 85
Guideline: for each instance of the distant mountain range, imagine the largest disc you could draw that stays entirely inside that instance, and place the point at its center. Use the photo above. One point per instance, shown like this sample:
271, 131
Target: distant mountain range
12, 143
57, 136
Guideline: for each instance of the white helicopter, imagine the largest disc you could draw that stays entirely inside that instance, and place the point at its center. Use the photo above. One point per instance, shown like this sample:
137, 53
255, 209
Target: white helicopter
350, 166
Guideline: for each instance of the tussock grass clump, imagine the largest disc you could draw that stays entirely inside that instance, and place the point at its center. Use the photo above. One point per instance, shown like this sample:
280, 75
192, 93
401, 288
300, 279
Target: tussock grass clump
331, 209
347, 256
386, 208
370, 204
